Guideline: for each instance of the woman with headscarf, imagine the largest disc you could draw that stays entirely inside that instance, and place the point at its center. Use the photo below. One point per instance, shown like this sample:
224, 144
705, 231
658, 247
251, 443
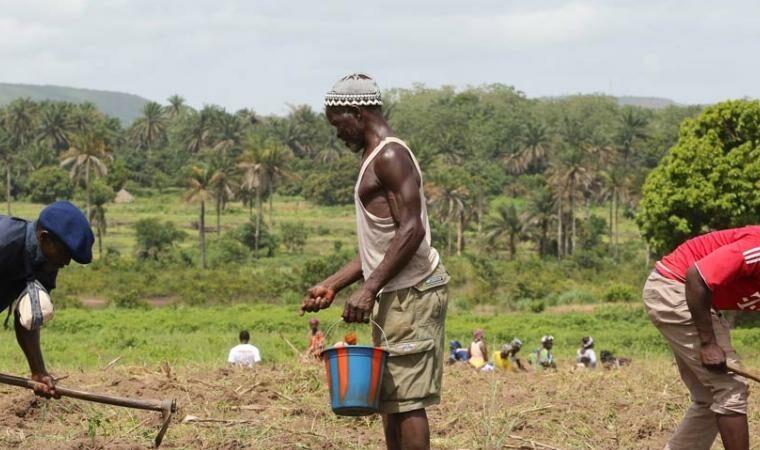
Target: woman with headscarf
478, 349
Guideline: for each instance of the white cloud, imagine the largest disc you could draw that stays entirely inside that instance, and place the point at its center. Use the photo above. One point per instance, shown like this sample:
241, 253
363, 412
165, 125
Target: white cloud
261, 54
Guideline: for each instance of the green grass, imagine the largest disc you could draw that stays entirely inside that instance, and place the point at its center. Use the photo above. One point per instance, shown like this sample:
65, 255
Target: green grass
169, 206
88, 339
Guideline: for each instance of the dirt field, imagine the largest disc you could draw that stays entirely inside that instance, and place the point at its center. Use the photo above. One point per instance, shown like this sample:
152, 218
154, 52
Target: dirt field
286, 407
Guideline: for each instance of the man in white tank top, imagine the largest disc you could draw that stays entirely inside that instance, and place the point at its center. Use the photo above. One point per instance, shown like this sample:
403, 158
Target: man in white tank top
405, 286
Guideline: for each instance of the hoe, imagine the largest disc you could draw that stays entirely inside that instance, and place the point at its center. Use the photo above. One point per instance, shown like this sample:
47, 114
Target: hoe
166, 407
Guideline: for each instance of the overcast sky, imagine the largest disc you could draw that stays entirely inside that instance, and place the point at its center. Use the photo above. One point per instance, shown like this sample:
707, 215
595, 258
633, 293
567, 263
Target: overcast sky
264, 54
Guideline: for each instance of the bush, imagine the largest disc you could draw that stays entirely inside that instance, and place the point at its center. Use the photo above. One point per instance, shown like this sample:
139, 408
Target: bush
49, 184
128, 300
227, 250
246, 234
155, 239
101, 193
317, 269
618, 292
118, 175
64, 301
575, 297
294, 235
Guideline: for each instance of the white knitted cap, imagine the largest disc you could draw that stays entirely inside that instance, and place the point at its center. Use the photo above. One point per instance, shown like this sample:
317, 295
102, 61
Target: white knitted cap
356, 89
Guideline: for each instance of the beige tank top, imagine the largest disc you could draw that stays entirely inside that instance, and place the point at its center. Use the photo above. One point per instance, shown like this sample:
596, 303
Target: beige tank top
476, 350
375, 234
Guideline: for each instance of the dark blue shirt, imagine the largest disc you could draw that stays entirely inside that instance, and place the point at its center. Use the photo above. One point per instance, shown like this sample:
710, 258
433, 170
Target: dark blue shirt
21, 259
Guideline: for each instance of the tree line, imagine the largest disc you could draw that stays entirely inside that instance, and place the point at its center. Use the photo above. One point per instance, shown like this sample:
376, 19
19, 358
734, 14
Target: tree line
500, 169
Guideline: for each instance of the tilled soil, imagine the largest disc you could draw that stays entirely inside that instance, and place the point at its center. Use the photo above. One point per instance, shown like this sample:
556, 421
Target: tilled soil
287, 407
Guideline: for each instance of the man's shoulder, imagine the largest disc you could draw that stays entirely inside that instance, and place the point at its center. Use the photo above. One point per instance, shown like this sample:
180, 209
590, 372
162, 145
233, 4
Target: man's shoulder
12, 242
393, 150
12, 227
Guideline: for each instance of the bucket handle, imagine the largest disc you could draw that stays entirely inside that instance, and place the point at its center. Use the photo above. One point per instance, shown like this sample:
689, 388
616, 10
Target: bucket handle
382, 332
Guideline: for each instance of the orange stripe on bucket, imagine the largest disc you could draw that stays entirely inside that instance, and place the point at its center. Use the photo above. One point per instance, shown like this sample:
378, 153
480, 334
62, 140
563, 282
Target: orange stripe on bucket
342, 373
377, 358
327, 368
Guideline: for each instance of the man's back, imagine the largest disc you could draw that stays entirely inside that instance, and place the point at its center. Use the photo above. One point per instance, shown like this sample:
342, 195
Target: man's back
244, 355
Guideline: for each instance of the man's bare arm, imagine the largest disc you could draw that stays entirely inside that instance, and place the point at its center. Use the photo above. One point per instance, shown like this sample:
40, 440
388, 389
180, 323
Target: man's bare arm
397, 173
322, 295
29, 341
346, 276
699, 300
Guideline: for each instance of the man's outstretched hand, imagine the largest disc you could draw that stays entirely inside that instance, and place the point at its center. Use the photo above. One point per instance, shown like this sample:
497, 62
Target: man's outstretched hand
359, 307
713, 357
318, 297
47, 388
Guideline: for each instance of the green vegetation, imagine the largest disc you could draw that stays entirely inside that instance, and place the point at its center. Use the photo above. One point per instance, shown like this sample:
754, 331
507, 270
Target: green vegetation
531, 205
91, 338
709, 180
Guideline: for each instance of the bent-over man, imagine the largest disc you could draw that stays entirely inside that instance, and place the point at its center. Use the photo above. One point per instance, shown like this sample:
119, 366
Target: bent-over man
684, 296
31, 253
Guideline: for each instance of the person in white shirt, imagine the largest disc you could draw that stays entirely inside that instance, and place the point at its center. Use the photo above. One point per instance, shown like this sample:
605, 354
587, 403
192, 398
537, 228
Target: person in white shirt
586, 356
245, 354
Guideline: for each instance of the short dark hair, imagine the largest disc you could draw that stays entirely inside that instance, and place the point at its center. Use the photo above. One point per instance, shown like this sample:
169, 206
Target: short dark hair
244, 336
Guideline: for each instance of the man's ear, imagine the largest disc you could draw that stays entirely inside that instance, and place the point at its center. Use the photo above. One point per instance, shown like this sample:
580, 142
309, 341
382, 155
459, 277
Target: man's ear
43, 235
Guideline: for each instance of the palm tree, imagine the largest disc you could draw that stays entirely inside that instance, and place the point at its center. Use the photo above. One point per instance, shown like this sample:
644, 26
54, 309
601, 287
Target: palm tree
506, 222
299, 130
539, 215
632, 127
254, 179
615, 181
176, 106
222, 187
85, 117
19, 123
248, 116
197, 129
450, 199
149, 129
88, 154
201, 179
534, 150
569, 177
227, 132
55, 125
98, 221
274, 162
102, 195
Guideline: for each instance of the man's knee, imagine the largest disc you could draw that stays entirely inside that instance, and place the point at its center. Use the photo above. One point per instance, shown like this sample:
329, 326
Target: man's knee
414, 429
730, 395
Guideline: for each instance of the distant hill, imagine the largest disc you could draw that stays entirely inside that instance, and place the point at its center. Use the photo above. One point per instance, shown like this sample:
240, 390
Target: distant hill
126, 107
642, 102
646, 102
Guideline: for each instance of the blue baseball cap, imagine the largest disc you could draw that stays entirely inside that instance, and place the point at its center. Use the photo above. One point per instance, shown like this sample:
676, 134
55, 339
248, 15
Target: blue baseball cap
70, 226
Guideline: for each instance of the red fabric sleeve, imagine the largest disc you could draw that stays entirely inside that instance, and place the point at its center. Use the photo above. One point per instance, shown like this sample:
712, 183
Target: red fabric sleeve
726, 264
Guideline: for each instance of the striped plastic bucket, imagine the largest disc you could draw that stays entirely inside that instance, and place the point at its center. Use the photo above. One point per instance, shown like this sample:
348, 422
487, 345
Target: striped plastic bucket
354, 374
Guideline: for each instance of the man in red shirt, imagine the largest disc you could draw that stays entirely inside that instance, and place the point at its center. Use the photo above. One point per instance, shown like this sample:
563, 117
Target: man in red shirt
683, 297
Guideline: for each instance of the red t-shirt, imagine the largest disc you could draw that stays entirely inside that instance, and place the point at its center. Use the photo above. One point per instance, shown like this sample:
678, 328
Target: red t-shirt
729, 262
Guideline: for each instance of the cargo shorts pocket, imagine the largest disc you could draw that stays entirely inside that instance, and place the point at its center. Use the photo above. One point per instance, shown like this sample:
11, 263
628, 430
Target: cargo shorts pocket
431, 298
410, 371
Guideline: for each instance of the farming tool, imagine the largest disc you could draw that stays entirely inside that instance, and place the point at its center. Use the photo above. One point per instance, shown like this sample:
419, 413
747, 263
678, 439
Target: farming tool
165, 407
743, 373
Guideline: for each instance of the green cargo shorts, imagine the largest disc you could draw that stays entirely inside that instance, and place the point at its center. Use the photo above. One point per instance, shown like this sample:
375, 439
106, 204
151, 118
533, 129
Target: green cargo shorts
413, 320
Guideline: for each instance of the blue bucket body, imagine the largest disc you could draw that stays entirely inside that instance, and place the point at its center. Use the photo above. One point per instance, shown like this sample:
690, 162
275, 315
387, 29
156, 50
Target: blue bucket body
355, 374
